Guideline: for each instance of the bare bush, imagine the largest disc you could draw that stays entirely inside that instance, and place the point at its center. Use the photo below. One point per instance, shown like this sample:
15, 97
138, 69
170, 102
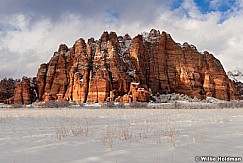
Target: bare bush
112, 134
17, 106
112, 105
54, 104
175, 97
109, 105
107, 137
172, 133
72, 130
138, 105
120, 105
50, 104
81, 104
177, 105
5, 119
62, 104
164, 101
198, 136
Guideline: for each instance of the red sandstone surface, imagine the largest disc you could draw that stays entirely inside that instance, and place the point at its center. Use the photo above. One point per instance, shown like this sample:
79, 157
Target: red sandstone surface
125, 69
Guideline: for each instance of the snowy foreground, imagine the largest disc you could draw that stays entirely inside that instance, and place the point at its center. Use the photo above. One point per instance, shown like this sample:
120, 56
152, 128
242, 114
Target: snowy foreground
119, 135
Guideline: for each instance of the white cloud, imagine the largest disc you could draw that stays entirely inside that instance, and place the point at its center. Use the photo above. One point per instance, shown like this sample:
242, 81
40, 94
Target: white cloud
214, 4
29, 39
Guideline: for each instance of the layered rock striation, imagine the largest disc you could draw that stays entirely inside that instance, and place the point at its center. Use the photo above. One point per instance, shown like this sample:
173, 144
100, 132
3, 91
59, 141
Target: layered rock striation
122, 69
7, 87
25, 91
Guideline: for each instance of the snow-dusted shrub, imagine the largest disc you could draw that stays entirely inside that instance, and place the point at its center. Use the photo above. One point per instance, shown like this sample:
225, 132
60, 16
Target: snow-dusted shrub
139, 105
177, 105
50, 104
109, 105
164, 101
17, 106
54, 104
175, 97
80, 104
63, 104
120, 105
231, 104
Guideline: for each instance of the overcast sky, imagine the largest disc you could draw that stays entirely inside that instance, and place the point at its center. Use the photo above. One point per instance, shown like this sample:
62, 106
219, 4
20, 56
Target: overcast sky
31, 30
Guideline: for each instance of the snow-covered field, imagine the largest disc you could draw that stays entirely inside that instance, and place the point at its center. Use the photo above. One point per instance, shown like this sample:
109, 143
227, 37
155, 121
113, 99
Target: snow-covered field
119, 135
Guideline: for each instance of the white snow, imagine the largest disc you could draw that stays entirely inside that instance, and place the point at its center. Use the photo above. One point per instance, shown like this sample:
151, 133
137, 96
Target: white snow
235, 75
131, 73
141, 89
119, 135
128, 43
44, 70
148, 38
193, 47
134, 83
124, 48
103, 46
65, 53
2, 105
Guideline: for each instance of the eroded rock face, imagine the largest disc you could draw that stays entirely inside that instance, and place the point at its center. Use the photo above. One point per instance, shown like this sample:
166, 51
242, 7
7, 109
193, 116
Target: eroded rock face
25, 91
79, 71
182, 69
7, 90
237, 79
119, 68
239, 87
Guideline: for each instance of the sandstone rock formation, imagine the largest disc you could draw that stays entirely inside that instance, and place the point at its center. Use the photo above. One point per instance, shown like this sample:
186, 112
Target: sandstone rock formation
239, 87
237, 79
7, 89
25, 91
122, 69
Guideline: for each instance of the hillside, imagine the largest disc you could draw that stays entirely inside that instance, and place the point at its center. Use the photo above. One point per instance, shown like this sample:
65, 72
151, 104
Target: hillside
125, 69
237, 79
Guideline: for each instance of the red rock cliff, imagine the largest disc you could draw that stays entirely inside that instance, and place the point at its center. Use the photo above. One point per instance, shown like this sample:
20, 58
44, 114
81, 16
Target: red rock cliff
7, 87
119, 68
25, 91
